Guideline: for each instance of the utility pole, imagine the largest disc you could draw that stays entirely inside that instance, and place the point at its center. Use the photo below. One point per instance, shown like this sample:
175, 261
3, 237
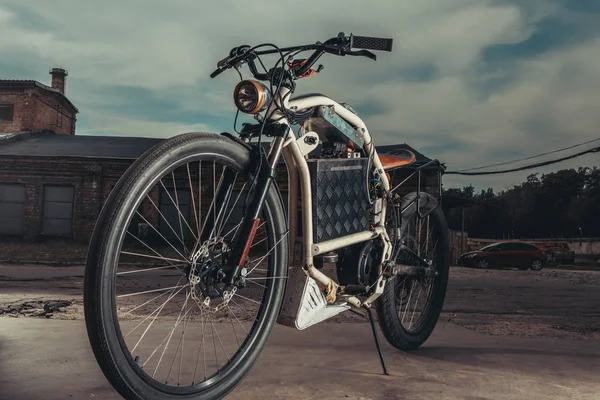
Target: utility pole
462, 229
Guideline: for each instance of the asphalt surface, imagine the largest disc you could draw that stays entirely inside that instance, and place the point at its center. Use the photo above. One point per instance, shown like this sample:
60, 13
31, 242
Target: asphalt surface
51, 359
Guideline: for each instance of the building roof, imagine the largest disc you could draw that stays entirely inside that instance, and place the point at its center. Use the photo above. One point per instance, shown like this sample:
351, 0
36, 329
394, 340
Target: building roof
49, 144
24, 84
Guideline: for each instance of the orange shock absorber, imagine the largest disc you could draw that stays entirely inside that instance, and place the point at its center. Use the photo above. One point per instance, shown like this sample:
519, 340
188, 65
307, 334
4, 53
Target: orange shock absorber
249, 241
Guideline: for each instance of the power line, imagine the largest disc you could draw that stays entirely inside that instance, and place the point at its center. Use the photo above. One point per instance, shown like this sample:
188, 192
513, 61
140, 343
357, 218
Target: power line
536, 165
530, 157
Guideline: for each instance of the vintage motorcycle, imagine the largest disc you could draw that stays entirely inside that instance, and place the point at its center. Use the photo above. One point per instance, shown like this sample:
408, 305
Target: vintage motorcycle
171, 275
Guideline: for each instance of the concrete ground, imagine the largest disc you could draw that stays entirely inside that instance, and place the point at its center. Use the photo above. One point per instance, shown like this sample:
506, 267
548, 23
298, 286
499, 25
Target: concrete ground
530, 335
51, 359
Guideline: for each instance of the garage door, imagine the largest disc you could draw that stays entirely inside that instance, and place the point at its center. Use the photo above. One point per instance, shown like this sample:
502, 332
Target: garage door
12, 207
58, 210
172, 219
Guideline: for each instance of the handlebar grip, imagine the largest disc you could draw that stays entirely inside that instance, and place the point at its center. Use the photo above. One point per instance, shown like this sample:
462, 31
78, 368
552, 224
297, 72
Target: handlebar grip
217, 72
371, 43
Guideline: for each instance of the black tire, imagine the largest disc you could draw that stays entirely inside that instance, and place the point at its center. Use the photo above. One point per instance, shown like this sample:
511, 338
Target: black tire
389, 321
99, 301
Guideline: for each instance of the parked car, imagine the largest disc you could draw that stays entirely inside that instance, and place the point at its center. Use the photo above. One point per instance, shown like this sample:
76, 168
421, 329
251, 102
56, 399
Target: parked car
505, 254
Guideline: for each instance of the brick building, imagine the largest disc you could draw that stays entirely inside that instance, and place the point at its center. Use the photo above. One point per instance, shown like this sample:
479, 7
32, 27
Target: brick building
54, 185
30, 106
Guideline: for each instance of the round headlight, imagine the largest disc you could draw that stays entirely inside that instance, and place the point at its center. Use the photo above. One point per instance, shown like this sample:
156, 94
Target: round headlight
250, 96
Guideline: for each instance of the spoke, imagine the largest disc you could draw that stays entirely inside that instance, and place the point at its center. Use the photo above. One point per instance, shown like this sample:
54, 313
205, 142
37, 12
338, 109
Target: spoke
143, 304
154, 319
254, 319
199, 197
158, 309
221, 343
201, 347
161, 343
168, 224
193, 200
160, 234
184, 307
267, 277
237, 319
152, 291
224, 224
149, 269
180, 215
177, 205
234, 228
269, 252
414, 309
156, 258
257, 284
259, 242
215, 346
151, 249
412, 284
214, 194
215, 229
245, 298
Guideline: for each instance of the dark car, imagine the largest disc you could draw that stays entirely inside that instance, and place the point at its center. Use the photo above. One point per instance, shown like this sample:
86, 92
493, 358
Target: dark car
505, 254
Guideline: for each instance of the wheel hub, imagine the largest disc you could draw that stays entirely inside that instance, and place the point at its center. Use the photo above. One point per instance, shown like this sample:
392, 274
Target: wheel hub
207, 277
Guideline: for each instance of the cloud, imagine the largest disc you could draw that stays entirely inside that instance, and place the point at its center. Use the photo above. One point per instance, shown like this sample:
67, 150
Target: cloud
470, 82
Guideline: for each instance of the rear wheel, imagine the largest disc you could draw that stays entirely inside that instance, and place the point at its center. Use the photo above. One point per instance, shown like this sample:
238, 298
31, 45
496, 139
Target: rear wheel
410, 306
536, 265
161, 321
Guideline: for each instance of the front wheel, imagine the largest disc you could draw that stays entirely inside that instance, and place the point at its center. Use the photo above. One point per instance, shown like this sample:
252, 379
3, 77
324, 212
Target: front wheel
161, 319
410, 306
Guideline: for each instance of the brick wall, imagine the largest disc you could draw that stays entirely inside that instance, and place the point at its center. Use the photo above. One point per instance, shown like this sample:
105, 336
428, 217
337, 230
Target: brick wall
24, 109
52, 114
35, 111
87, 177
93, 181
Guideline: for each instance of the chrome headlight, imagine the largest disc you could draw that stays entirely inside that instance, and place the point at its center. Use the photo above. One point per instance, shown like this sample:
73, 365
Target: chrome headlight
250, 96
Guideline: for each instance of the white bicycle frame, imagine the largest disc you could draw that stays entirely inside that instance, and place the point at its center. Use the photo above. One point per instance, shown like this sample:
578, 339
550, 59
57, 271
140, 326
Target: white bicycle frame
298, 170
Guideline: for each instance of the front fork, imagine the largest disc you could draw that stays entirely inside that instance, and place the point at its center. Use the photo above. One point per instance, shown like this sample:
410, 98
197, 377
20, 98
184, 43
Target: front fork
245, 236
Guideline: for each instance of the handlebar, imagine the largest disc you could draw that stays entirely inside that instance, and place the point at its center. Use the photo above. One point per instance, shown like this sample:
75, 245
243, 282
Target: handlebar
340, 45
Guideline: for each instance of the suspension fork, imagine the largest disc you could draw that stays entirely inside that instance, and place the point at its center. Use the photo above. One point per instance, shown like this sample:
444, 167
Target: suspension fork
265, 177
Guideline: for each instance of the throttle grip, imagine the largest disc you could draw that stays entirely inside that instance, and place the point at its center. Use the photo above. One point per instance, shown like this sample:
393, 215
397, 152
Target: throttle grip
370, 43
216, 73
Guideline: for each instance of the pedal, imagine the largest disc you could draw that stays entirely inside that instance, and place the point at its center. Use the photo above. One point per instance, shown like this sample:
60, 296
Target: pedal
304, 305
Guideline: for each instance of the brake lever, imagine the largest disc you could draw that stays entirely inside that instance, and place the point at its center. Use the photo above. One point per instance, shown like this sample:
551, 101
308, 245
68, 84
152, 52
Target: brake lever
363, 53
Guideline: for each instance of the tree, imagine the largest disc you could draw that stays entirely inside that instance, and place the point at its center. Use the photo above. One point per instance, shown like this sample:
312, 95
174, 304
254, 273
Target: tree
551, 205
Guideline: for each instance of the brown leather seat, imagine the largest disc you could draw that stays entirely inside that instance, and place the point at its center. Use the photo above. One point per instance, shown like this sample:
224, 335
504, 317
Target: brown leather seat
400, 159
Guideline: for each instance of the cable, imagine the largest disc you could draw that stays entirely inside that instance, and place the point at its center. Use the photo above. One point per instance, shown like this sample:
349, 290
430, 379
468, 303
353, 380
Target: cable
529, 158
536, 165
266, 118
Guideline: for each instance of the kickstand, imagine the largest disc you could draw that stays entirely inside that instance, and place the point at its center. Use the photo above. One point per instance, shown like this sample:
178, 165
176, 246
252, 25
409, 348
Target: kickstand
376, 340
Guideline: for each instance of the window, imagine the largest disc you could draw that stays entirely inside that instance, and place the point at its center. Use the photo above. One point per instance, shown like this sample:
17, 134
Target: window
12, 208
6, 112
525, 247
491, 247
58, 210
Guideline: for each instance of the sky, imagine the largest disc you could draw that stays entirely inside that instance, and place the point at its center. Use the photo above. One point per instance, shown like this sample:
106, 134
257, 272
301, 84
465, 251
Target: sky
469, 82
